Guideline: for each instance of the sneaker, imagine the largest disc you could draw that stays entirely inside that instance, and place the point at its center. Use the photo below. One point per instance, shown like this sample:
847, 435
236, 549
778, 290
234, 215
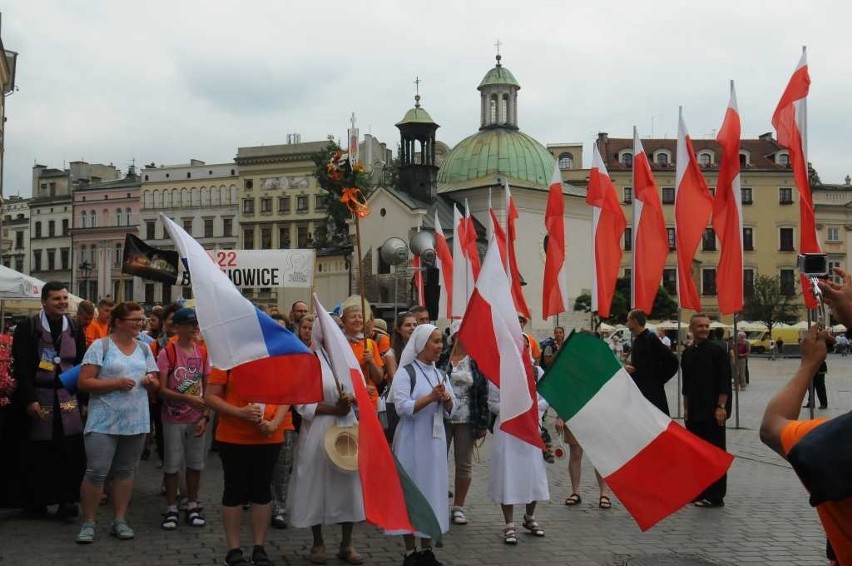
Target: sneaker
235, 558
412, 559
87, 533
121, 530
427, 558
278, 521
259, 557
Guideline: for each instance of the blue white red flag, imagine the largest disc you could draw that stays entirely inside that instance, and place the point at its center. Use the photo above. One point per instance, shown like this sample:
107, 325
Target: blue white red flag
268, 363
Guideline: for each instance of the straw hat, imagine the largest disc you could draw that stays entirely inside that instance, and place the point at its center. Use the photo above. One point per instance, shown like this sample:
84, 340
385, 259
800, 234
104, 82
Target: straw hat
380, 325
341, 445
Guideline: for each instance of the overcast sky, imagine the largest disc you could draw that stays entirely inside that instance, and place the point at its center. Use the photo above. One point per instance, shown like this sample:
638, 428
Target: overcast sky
107, 81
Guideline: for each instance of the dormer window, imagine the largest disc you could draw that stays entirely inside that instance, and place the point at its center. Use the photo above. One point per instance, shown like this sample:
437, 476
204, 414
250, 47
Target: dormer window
566, 160
626, 158
783, 159
744, 160
705, 159
662, 158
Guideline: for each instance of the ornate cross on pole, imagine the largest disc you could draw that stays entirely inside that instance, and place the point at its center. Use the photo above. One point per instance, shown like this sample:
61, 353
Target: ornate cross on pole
497, 45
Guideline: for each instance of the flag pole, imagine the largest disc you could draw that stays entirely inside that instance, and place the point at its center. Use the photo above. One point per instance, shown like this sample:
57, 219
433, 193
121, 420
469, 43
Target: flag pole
736, 378
361, 286
679, 349
311, 299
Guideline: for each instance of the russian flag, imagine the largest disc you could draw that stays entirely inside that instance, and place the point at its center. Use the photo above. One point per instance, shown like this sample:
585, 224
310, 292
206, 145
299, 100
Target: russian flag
268, 363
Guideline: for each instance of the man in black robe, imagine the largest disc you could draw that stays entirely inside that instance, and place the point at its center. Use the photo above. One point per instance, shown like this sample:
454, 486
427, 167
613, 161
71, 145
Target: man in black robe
652, 364
706, 396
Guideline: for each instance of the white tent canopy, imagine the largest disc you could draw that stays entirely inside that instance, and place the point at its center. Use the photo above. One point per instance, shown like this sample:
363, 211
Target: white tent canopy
14, 285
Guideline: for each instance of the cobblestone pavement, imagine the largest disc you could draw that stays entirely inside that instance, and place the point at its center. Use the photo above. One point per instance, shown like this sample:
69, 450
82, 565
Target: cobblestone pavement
766, 519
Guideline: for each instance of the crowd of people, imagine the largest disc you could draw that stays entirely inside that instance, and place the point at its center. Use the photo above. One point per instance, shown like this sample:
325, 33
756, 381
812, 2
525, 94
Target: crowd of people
145, 383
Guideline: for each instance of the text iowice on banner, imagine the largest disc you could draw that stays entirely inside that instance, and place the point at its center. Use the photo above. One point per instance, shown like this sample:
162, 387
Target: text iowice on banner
262, 268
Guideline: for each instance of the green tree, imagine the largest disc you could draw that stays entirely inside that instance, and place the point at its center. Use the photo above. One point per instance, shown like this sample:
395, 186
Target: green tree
769, 304
665, 306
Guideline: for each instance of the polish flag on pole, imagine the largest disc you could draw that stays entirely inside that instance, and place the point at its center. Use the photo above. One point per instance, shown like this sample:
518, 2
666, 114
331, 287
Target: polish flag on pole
470, 249
790, 121
444, 263
608, 226
462, 270
418, 280
650, 239
500, 236
492, 335
728, 213
693, 209
554, 298
514, 274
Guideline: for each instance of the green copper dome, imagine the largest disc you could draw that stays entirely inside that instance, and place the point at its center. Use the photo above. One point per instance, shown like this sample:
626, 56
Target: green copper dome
416, 115
499, 75
478, 160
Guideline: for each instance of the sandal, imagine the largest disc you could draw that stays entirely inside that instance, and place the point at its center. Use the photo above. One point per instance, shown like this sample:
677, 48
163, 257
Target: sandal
532, 526
317, 555
170, 520
350, 556
457, 516
194, 518
121, 530
604, 502
509, 536
573, 499
87, 533
235, 558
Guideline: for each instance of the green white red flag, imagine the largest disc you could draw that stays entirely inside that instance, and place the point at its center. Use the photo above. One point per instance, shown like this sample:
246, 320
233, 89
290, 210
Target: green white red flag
652, 464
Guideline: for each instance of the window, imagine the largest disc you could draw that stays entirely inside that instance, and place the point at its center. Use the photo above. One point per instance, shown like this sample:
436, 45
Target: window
150, 228
38, 229
788, 282
117, 258
265, 205
628, 195
708, 282
748, 239
149, 293
51, 228
127, 217
249, 183
283, 205
84, 220
627, 159
670, 280
384, 267
248, 206
785, 195
118, 217
628, 239
670, 234
64, 255
167, 294
248, 239
566, 160
284, 237
51, 260
19, 263
743, 159
668, 195
492, 109
65, 226
36, 260
705, 159
319, 202
783, 160
708, 241
785, 239
187, 225
745, 195
302, 237
662, 159
302, 203
208, 227
93, 219
831, 265
266, 238
504, 109
748, 281
227, 226
832, 234
19, 240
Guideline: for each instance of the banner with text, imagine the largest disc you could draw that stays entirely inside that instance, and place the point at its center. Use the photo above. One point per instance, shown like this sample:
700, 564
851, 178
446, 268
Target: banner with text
249, 269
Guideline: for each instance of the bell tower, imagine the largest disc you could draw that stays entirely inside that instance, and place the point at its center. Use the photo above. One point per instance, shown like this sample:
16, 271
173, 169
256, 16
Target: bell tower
418, 174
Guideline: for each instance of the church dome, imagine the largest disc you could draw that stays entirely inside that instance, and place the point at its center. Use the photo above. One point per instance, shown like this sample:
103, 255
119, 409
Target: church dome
499, 152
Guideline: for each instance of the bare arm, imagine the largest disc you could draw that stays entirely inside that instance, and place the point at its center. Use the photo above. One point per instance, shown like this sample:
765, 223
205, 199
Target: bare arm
786, 405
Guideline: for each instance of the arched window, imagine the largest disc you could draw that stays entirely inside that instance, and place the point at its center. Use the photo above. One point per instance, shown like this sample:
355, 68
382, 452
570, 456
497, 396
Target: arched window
744, 159
205, 197
127, 217
492, 110
193, 196
566, 160
504, 109
627, 159
93, 219
661, 158
184, 197
118, 217
705, 159
232, 198
84, 220
783, 159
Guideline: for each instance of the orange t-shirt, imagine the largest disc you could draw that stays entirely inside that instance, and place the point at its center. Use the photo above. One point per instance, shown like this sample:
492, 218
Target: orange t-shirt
235, 430
358, 349
383, 342
95, 331
835, 516
535, 349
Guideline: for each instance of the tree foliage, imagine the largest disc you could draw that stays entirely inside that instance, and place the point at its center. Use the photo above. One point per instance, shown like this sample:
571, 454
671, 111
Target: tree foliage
767, 303
665, 306
334, 174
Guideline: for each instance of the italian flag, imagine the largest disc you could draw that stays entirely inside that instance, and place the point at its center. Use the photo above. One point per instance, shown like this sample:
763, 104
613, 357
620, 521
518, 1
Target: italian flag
391, 499
653, 465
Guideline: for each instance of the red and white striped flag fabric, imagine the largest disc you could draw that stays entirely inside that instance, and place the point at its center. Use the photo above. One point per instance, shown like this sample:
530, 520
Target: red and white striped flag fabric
693, 209
463, 280
469, 242
514, 274
419, 295
500, 236
608, 226
444, 262
650, 239
492, 335
789, 120
554, 295
728, 213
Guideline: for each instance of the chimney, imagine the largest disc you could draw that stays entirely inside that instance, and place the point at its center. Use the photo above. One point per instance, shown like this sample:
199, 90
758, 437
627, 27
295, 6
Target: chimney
766, 137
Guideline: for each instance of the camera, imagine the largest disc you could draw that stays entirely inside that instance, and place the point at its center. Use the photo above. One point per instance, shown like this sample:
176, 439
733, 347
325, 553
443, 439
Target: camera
813, 265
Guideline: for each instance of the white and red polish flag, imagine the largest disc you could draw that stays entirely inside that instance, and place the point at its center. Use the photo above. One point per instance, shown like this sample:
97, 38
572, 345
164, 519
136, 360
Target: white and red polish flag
608, 226
444, 263
469, 243
418, 280
790, 122
693, 209
492, 335
514, 274
728, 213
650, 239
554, 297
463, 280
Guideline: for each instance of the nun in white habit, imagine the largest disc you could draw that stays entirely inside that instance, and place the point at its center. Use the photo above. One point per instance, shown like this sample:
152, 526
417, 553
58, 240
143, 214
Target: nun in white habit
517, 474
320, 493
419, 443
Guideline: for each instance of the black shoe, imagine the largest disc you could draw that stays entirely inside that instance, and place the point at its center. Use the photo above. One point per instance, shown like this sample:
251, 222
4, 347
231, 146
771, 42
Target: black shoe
259, 557
427, 558
235, 558
412, 559
823, 407
67, 510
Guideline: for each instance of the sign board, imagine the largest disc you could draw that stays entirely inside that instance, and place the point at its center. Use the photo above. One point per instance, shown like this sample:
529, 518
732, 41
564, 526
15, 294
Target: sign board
249, 269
